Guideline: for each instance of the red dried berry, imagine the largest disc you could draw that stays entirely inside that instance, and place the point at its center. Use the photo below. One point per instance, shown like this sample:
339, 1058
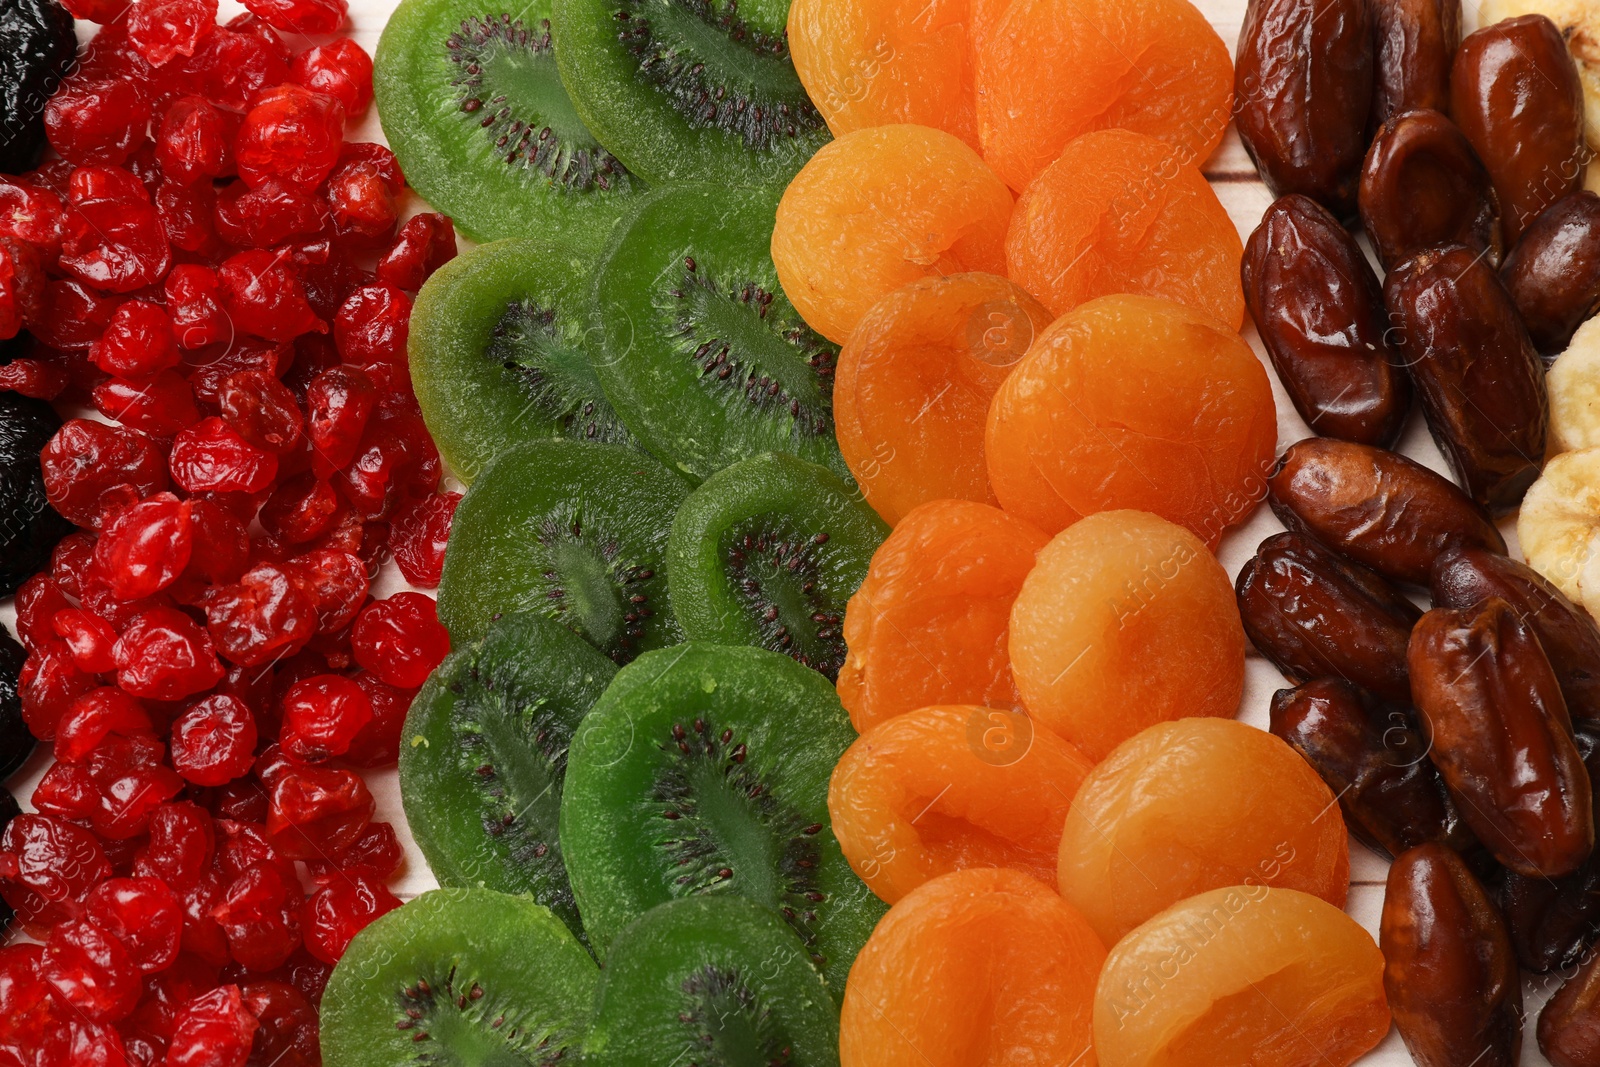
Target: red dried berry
42, 379
203, 936
424, 244
213, 1030
362, 203
138, 342
264, 298
340, 69
165, 655
105, 182
270, 612
181, 845
341, 909
27, 1010
246, 353
261, 409
338, 404
41, 597
373, 326
160, 405
89, 639
97, 119
81, 1043
118, 245
87, 465
291, 134
379, 475
47, 867
187, 214
31, 213
309, 17
214, 742
301, 509
288, 1036
48, 684
22, 286
143, 914
377, 853
317, 812
321, 717
221, 545
268, 214
90, 970
419, 535
260, 913
116, 789
400, 639
195, 306
74, 314
339, 582
241, 846
195, 140
229, 68
95, 716
161, 29
210, 455
378, 745
146, 547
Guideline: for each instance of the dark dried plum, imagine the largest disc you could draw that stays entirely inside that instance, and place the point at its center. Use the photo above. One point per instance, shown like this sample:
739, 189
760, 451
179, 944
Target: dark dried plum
29, 526
16, 740
37, 45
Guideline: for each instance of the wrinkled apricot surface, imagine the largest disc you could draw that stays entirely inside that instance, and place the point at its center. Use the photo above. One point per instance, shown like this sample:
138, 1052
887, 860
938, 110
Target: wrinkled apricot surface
950, 787
1125, 621
1118, 213
1134, 402
1242, 975
978, 967
930, 623
912, 391
1198, 804
1051, 70
878, 209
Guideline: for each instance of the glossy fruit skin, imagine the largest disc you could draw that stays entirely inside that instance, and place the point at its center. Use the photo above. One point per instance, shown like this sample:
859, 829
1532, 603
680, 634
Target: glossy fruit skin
1553, 271
1315, 615
1491, 702
38, 46
1569, 1024
1319, 309
1373, 755
1422, 185
34, 526
16, 740
1379, 508
1414, 44
1516, 94
1462, 337
1449, 970
1303, 85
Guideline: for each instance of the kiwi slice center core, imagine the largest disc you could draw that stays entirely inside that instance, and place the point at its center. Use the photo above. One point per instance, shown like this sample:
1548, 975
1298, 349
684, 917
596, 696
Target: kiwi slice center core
460, 1026
729, 1023
776, 571
532, 86
552, 369
589, 589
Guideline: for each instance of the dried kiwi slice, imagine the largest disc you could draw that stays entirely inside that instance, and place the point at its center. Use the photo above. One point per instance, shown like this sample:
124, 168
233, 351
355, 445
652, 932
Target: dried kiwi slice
497, 353
571, 530
690, 90
459, 976
701, 353
473, 105
484, 753
711, 980
704, 770
768, 552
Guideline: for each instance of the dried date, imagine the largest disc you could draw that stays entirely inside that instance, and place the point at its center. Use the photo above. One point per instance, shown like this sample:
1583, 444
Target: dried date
1319, 308
1553, 271
1569, 1025
1480, 381
1501, 737
1415, 42
1422, 185
1382, 510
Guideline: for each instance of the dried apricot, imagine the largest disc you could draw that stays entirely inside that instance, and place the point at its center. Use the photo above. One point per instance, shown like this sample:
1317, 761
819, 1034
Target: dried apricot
950, 787
895, 204
1245, 974
1125, 621
1120, 212
982, 966
1134, 402
1051, 70
1194, 805
914, 382
930, 623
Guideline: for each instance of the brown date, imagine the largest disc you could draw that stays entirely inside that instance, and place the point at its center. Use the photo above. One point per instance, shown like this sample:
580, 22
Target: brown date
1374, 758
1501, 738
1314, 615
1464, 577
1382, 510
1480, 381
1303, 93
1448, 967
1422, 185
1415, 41
1516, 94
1569, 1025
1553, 271
1320, 311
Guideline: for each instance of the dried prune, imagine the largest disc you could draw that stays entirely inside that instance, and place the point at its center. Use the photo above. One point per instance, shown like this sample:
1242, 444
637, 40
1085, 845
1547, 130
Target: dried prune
1319, 309
16, 740
37, 45
1379, 508
29, 526
1415, 41
1553, 271
1448, 967
1501, 737
1569, 1025
1516, 94
1464, 577
1481, 383
1374, 757
1423, 185
1316, 616
1302, 93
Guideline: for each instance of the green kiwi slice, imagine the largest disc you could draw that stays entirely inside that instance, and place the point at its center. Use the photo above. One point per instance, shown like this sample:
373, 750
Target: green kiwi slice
690, 90
701, 353
498, 354
573, 531
768, 552
484, 752
704, 770
460, 977
473, 105
711, 981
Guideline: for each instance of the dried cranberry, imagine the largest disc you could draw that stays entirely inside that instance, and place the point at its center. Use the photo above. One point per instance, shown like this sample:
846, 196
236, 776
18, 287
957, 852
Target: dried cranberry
161, 29
169, 990
164, 655
48, 684
98, 598
260, 409
138, 342
210, 455
288, 1036
85, 462
373, 326
42, 379
317, 812
341, 909
270, 612
22, 286
378, 744
105, 182
419, 536
202, 934
81, 1043
145, 547
340, 69
222, 544
264, 297
74, 314
377, 853
310, 17
213, 367
118, 245
241, 846
93, 119
260, 913
195, 140
338, 404
95, 716
291, 134
322, 716
116, 789
143, 914
301, 509
268, 214
242, 800
27, 1010
213, 1030
38, 601
424, 244
181, 845
214, 741
160, 405
187, 214
228, 69
339, 582
90, 641
195, 306
31, 213
47, 867
363, 203
401, 639
378, 477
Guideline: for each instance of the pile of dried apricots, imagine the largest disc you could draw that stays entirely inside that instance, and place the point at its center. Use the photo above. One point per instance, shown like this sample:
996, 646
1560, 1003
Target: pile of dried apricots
1043, 389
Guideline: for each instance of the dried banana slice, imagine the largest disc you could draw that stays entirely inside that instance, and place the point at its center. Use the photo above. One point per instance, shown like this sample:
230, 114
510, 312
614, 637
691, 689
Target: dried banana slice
1559, 522
1574, 386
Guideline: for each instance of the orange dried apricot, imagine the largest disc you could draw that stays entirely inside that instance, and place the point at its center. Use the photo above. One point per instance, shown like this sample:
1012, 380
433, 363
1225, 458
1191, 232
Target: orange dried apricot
1117, 213
950, 787
1051, 70
929, 625
982, 966
912, 389
1125, 621
1242, 975
1189, 806
1134, 402
892, 204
